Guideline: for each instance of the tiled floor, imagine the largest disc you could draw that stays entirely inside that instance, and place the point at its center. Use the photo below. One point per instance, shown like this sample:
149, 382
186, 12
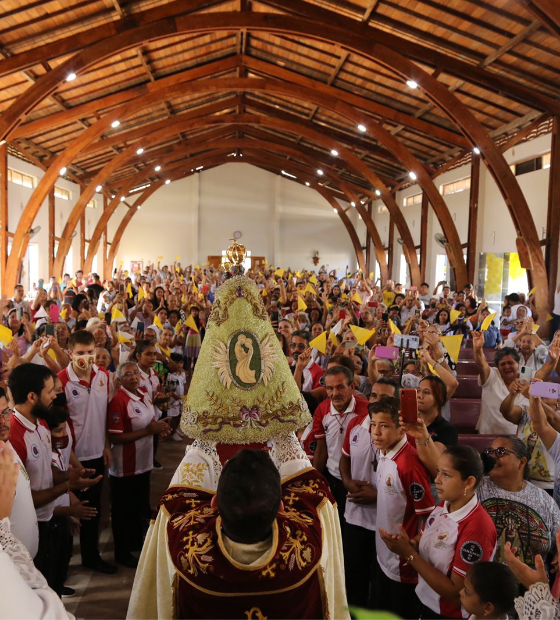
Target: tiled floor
106, 596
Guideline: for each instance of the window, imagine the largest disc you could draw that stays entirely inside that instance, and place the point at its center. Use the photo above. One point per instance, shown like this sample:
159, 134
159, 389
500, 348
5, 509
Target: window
20, 178
542, 162
382, 209
455, 187
415, 199
92, 204
60, 192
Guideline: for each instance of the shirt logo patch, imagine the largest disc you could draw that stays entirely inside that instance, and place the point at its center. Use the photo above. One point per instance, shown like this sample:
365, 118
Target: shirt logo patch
137, 411
471, 552
116, 417
101, 383
312, 446
355, 439
430, 521
389, 481
417, 491
75, 393
35, 450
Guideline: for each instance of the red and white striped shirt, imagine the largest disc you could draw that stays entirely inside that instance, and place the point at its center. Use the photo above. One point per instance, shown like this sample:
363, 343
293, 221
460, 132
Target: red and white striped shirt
403, 494
454, 542
128, 413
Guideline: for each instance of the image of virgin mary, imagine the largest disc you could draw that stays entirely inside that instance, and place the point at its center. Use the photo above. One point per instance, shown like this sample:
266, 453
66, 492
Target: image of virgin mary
244, 355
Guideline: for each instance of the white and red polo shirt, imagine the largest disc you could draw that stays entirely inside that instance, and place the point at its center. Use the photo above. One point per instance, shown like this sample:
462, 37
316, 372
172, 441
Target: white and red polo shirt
359, 448
331, 425
454, 542
150, 383
61, 460
32, 442
403, 495
128, 413
87, 405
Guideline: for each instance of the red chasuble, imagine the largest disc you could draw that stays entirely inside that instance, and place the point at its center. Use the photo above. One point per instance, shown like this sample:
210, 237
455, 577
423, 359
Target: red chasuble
286, 583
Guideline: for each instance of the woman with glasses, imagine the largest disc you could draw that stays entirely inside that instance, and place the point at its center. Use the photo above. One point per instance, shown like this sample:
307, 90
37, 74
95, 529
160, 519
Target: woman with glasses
131, 425
524, 515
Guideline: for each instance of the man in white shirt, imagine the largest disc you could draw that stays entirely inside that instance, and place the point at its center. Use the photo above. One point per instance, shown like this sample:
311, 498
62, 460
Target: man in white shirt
531, 348
411, 306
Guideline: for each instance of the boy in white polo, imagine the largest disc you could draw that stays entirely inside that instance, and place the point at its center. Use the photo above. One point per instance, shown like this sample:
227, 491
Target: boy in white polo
403, 498
87, 389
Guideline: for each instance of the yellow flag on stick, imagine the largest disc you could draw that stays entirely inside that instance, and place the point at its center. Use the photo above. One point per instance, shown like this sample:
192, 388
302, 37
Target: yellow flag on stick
532, 291
264, 293
64, 313
357, 298
314, 280
141, 294
5, 335
280, 272
453, 345
453, 316
310, 289
328, 304
371, 275
433, 370
362, 335
124, 337
129, 290
194, 287
394, 328
117, 315
320, 343
52, 355
333, 338
301, 305
101, 316
158, 323
487, 321
178, 327
549, 317
190, 323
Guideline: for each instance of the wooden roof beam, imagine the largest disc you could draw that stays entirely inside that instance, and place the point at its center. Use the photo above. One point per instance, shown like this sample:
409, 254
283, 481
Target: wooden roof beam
546, 11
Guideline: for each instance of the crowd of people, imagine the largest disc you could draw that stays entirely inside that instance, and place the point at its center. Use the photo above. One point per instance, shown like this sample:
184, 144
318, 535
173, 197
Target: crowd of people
93, 380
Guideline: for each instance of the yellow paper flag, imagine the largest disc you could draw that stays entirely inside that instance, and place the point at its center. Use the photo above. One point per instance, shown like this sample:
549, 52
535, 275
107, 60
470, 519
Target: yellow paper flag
129, 290
177, 258
64, 313
357, 298
264, 293
158, 323
371, 275
433, 370
101, 316
362, 335
320, 343
141, 294
394, 328
549, 317
453, 316
333, 338
178, 327
535, 328
5, 335
124, 338
487, 321
301, 305
117, 315
532, 291
197, 266
52, 354
328, 304
194, 287
279, 272
190, 323
453, 345
310, 289
345, 296
314, 280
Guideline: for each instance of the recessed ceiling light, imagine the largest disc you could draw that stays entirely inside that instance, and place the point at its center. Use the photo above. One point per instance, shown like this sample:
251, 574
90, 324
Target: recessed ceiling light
353, 203
335, 210
308, 183
139, 151
157, 168
476, 150
123, 198
412, 175
70, 77
115, 124
334, 152
63, 170
411, 84
139, 207
167, 181
320, 172
99, 188
378, 192
112, 195
362, 128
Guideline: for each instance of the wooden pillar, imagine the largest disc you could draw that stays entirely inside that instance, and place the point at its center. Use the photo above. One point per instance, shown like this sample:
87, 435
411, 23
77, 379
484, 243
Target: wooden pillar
424, 235
51, 206
473, 219
3, 216
368, 244
553, 217
82, 242
105, 274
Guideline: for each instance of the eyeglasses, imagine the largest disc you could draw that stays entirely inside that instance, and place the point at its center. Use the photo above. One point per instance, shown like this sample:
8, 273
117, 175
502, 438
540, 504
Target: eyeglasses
6, 413
500, 452
299, 347
127, 375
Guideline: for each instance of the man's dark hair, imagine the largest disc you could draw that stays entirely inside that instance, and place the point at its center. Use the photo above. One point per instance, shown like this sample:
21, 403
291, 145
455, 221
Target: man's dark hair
506, 351
340, 370
301, 334
249, 495
80, 337
392, 383
177, 357
28, 378
56, 416
425, 284
343, 360
387, 405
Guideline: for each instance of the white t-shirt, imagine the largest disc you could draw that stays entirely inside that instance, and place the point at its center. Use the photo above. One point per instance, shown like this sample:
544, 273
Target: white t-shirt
541, 463
175, 407
494, 392
23, 518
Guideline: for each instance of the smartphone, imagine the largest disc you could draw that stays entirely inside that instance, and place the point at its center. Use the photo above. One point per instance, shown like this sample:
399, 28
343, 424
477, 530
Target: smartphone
526, 373
41, 283
20, 313
54, 311
342, 314
387, 353
544, 390
372, 304
49, 330
413, 288
140, 327
409, 405
108, 318
385, 317
121, 288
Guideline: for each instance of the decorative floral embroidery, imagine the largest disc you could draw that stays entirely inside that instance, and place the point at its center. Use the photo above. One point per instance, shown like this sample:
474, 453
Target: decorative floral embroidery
192, 474
192, 517
296, 551
194, 557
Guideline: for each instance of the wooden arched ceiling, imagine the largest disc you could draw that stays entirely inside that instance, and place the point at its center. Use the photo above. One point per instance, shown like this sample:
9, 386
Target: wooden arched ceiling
486, 71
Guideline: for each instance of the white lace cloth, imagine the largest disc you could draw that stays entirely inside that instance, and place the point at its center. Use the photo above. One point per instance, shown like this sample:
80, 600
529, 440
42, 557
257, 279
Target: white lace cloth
538, 604
24, 592
201, 465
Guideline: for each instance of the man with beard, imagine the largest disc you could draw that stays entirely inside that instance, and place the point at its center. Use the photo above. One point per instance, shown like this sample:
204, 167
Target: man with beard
32, 388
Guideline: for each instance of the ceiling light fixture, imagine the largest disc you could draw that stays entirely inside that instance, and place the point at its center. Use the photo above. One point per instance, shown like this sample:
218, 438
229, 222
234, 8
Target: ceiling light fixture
411, 84
123, 198
308, 184
63, 170
167, 181
378, 192
157, 168
362, 128
115, 124
412, 175
139, 151
287, 174
334, 152
70, 77
476, 150
353, 203
99, 188
320, 172
199, 168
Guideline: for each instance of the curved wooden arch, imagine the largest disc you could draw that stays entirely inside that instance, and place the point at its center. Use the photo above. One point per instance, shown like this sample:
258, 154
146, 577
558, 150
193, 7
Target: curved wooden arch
218, 161
250, 144
345, 33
